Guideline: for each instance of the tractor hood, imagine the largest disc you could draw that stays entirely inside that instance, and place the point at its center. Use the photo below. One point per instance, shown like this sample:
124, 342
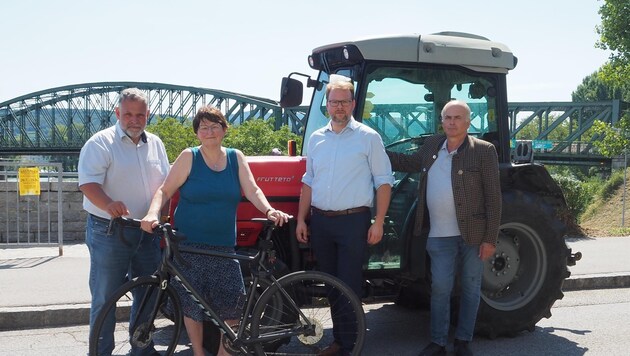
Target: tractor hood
280, 178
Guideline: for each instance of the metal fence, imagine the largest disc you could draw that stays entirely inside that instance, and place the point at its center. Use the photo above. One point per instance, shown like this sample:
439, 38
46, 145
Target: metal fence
31, 200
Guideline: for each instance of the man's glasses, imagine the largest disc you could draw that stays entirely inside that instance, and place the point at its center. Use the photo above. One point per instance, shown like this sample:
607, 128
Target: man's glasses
335, 103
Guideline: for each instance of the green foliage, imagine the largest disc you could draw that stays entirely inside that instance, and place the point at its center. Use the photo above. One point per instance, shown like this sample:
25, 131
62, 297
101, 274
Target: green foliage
175, 135
620, 231
602, 191
581, 173
253, 138
614, 139
594, 88
577, 194
613, 33
612, 81
258, 137
612, 184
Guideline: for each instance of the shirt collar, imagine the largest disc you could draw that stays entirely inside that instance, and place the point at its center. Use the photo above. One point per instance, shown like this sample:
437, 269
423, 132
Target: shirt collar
352, 125
121, 134
445, 149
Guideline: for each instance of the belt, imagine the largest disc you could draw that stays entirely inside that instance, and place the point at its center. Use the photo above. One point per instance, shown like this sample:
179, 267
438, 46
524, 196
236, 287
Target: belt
360, 209
98, 218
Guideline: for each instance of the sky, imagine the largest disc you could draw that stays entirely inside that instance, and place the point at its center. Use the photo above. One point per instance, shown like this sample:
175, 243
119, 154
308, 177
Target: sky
247, 46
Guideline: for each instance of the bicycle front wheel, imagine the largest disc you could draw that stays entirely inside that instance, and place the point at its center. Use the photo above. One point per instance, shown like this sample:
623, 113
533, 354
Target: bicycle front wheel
329, 311
139, 316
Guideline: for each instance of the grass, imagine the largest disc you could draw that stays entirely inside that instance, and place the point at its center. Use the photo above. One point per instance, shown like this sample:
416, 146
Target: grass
604, 216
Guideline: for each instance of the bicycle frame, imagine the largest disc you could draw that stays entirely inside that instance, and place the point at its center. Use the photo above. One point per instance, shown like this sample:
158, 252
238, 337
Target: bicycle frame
168, 269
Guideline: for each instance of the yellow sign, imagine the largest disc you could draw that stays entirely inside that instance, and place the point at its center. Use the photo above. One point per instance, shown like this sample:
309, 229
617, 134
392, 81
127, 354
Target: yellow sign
29, 181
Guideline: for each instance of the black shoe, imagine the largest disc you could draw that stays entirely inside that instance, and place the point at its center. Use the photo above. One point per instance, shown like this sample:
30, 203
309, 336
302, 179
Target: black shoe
462, 348
433, 349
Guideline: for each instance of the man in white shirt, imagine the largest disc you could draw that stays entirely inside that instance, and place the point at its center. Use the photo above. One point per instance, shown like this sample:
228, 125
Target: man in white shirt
120, 168
346, 162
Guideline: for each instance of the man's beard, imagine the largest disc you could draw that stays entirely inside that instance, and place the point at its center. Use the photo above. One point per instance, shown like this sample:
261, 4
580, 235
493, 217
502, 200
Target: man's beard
133, 133
340, 120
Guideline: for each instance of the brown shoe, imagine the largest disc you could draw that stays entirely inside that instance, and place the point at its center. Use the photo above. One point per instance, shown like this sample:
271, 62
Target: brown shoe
331, 350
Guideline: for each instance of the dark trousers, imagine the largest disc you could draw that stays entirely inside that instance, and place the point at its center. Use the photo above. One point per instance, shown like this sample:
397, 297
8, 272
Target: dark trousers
340, 245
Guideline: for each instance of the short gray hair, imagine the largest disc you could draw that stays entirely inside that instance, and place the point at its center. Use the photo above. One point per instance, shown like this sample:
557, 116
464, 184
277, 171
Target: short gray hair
133, 94
459, 103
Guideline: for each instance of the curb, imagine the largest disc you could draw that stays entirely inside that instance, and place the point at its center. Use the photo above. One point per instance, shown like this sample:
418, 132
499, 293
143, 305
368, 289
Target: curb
44, 316
597, 281
39, 317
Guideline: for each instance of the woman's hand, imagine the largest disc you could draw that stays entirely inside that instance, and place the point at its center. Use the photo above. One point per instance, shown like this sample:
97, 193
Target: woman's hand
149, 223
278, 217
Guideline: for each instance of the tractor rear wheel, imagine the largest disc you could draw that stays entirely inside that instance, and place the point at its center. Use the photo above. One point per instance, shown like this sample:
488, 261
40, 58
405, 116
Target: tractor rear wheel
524, 277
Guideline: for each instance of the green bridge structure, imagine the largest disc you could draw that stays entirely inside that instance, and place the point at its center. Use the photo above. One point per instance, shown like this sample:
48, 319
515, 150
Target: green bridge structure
59, 120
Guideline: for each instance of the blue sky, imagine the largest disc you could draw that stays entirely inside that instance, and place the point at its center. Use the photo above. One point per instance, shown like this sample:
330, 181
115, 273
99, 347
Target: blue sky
246, 46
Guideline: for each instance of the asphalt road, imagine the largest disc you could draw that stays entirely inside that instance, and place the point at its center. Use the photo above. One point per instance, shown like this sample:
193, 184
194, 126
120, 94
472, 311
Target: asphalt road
593, 322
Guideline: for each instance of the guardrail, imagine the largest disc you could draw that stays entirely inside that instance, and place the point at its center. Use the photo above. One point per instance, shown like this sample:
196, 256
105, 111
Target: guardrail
31, 202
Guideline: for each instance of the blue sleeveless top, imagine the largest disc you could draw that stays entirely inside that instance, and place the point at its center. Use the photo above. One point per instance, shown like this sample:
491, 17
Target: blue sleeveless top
206, 212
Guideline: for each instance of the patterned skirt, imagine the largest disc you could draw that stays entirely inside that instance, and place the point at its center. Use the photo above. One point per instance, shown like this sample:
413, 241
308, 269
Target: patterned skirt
218, 280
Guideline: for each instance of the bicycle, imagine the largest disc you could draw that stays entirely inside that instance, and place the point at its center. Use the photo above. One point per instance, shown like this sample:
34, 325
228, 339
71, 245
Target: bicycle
288, 315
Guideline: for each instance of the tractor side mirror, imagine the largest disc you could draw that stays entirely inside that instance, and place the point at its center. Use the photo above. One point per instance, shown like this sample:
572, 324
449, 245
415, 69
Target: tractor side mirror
290, 92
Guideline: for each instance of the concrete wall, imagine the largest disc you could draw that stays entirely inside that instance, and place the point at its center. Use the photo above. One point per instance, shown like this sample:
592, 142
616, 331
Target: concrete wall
33, 219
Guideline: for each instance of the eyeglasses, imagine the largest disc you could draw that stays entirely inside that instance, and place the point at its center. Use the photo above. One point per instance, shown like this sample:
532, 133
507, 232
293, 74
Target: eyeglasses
210, 128
335, 103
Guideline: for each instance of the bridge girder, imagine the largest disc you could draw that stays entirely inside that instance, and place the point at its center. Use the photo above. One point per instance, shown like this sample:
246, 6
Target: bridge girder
577, 119
63, 118
60, 120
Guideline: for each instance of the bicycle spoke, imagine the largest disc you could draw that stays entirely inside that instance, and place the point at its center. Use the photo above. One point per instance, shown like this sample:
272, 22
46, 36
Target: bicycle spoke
133, 326
320, 297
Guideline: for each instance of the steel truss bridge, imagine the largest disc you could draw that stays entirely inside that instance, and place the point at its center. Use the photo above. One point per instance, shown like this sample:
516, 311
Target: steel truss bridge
59, 120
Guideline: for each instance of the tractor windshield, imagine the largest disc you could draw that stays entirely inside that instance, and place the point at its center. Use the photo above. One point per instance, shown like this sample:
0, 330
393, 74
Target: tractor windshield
403, 104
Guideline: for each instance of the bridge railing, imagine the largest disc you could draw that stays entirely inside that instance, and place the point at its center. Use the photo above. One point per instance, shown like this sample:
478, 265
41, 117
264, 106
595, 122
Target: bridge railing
60, 120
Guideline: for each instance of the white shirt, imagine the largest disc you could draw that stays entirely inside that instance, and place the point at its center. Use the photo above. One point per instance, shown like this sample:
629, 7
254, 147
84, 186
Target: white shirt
440, 201
344, 168
128, 172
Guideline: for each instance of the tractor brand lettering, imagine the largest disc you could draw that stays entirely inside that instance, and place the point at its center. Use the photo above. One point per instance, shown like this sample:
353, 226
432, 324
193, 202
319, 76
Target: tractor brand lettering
275, 179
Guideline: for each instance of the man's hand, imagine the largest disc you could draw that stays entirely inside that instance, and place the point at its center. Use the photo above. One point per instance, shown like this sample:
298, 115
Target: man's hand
117, 209
301, 232
375, 233
486, 250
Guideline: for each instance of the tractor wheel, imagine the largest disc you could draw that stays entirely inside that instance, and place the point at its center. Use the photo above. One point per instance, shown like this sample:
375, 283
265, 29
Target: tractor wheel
524, 278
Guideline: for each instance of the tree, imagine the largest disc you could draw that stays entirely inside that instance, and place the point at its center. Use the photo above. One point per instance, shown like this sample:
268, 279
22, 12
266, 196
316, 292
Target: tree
615, 139
594, 88
254, 137
257, 137
175, 135
615, 36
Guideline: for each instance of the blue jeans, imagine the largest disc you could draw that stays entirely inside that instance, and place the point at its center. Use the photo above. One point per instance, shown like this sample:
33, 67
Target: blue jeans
450, 255
112, 263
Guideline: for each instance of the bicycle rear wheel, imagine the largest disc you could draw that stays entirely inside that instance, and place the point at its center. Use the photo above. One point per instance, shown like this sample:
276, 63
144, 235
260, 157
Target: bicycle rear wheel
124, 325
322, 298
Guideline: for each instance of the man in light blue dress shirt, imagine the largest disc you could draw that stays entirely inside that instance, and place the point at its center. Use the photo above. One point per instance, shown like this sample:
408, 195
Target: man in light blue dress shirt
345, 164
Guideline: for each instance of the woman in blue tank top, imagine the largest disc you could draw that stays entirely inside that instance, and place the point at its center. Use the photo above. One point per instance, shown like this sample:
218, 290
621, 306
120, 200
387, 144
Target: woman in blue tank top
210, 179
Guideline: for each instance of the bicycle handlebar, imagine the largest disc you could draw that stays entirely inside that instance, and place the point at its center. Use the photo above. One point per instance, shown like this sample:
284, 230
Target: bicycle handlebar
172, 237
